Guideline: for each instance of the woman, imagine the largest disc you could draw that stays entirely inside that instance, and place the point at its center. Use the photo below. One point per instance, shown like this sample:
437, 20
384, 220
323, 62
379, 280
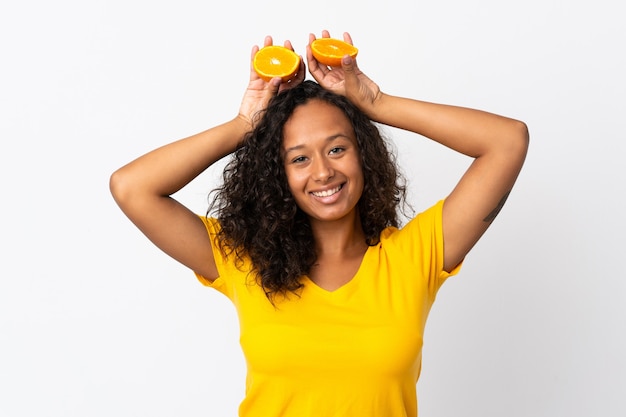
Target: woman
332, 297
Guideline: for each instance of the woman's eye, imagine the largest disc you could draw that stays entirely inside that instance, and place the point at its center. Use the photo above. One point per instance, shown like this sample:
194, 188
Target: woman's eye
336, 150
298, 160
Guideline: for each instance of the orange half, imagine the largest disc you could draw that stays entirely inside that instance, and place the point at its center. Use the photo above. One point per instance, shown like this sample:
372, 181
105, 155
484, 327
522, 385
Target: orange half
276, 61
329, 51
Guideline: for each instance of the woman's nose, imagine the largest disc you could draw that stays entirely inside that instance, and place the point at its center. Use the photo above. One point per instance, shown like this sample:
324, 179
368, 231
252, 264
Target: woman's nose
322, 170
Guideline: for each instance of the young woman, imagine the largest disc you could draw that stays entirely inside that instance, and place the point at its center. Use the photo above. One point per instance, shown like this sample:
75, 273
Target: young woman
331, 295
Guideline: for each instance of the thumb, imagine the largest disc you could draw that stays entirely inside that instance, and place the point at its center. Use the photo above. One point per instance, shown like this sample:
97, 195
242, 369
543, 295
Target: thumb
272, 86
348, 66
350, 75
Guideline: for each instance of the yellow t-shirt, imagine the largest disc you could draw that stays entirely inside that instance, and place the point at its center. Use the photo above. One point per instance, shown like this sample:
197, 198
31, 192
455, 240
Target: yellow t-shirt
355, 351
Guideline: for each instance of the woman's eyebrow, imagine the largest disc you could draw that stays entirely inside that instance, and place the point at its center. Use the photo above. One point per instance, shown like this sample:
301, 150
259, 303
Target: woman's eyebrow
328, 139
294, 148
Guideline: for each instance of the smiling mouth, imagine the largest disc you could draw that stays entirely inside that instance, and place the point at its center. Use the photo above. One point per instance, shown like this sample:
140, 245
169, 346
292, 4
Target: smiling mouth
327, 193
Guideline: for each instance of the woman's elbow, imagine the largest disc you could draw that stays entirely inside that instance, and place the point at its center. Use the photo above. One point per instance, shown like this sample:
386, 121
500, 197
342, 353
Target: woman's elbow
519, 138
523, 133
119, 186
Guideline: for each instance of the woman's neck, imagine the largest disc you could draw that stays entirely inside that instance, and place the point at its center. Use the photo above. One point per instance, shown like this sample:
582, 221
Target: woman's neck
340, 248
344, 237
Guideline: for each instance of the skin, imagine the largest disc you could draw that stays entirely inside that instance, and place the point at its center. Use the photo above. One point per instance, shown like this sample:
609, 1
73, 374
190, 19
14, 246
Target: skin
324, 174
497, 144
321, 157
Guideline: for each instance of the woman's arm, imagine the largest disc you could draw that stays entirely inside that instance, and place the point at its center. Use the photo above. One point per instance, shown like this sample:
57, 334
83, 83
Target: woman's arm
497, 144
143, 188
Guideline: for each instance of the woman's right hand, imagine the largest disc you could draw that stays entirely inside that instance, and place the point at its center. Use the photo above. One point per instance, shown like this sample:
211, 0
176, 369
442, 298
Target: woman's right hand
143, 187
259, 92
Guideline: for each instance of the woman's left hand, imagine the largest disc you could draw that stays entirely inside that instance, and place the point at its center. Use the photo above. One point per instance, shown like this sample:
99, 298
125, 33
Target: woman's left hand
347, 80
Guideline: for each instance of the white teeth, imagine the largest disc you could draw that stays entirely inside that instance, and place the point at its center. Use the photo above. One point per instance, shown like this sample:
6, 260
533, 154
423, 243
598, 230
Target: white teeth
327, 193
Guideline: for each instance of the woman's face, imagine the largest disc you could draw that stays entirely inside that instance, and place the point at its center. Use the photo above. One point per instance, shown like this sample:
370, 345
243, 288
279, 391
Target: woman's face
322, 161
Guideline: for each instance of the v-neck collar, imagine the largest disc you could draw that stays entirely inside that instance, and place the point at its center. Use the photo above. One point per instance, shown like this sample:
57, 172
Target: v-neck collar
347, 288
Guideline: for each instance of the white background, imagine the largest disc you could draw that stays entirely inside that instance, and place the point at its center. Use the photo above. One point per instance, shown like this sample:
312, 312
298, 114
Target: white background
95, 321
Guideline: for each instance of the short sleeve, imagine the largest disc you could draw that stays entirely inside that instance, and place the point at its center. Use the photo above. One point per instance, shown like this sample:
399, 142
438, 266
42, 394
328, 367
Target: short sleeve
422, 244
221, 283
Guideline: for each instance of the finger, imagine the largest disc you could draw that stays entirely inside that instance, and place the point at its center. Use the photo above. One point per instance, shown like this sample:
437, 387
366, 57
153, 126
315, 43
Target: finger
313, 62
301, 71
297, 79
347, 38
274, 83
253, 73
253, 52
315, 69
288, 45
325, 34
309, 54
349, 70
268, 41
272, 87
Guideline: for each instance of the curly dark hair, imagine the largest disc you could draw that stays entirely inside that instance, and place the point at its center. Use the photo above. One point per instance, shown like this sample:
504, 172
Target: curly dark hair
258, 215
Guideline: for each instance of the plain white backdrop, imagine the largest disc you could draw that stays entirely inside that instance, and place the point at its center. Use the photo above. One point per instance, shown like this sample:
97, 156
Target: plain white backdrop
95, 321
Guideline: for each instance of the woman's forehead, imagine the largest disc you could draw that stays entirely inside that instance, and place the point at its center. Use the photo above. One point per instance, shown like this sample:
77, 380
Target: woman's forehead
314, 120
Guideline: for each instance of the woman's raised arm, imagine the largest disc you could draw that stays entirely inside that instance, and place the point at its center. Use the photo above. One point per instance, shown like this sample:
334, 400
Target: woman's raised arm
143, 187
498, 145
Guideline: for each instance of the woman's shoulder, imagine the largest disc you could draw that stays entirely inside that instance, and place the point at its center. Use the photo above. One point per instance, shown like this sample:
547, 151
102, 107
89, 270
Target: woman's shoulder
426, 221
211, 223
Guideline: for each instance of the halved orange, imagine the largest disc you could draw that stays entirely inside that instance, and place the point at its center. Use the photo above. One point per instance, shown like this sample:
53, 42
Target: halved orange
329, 51
276, 61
